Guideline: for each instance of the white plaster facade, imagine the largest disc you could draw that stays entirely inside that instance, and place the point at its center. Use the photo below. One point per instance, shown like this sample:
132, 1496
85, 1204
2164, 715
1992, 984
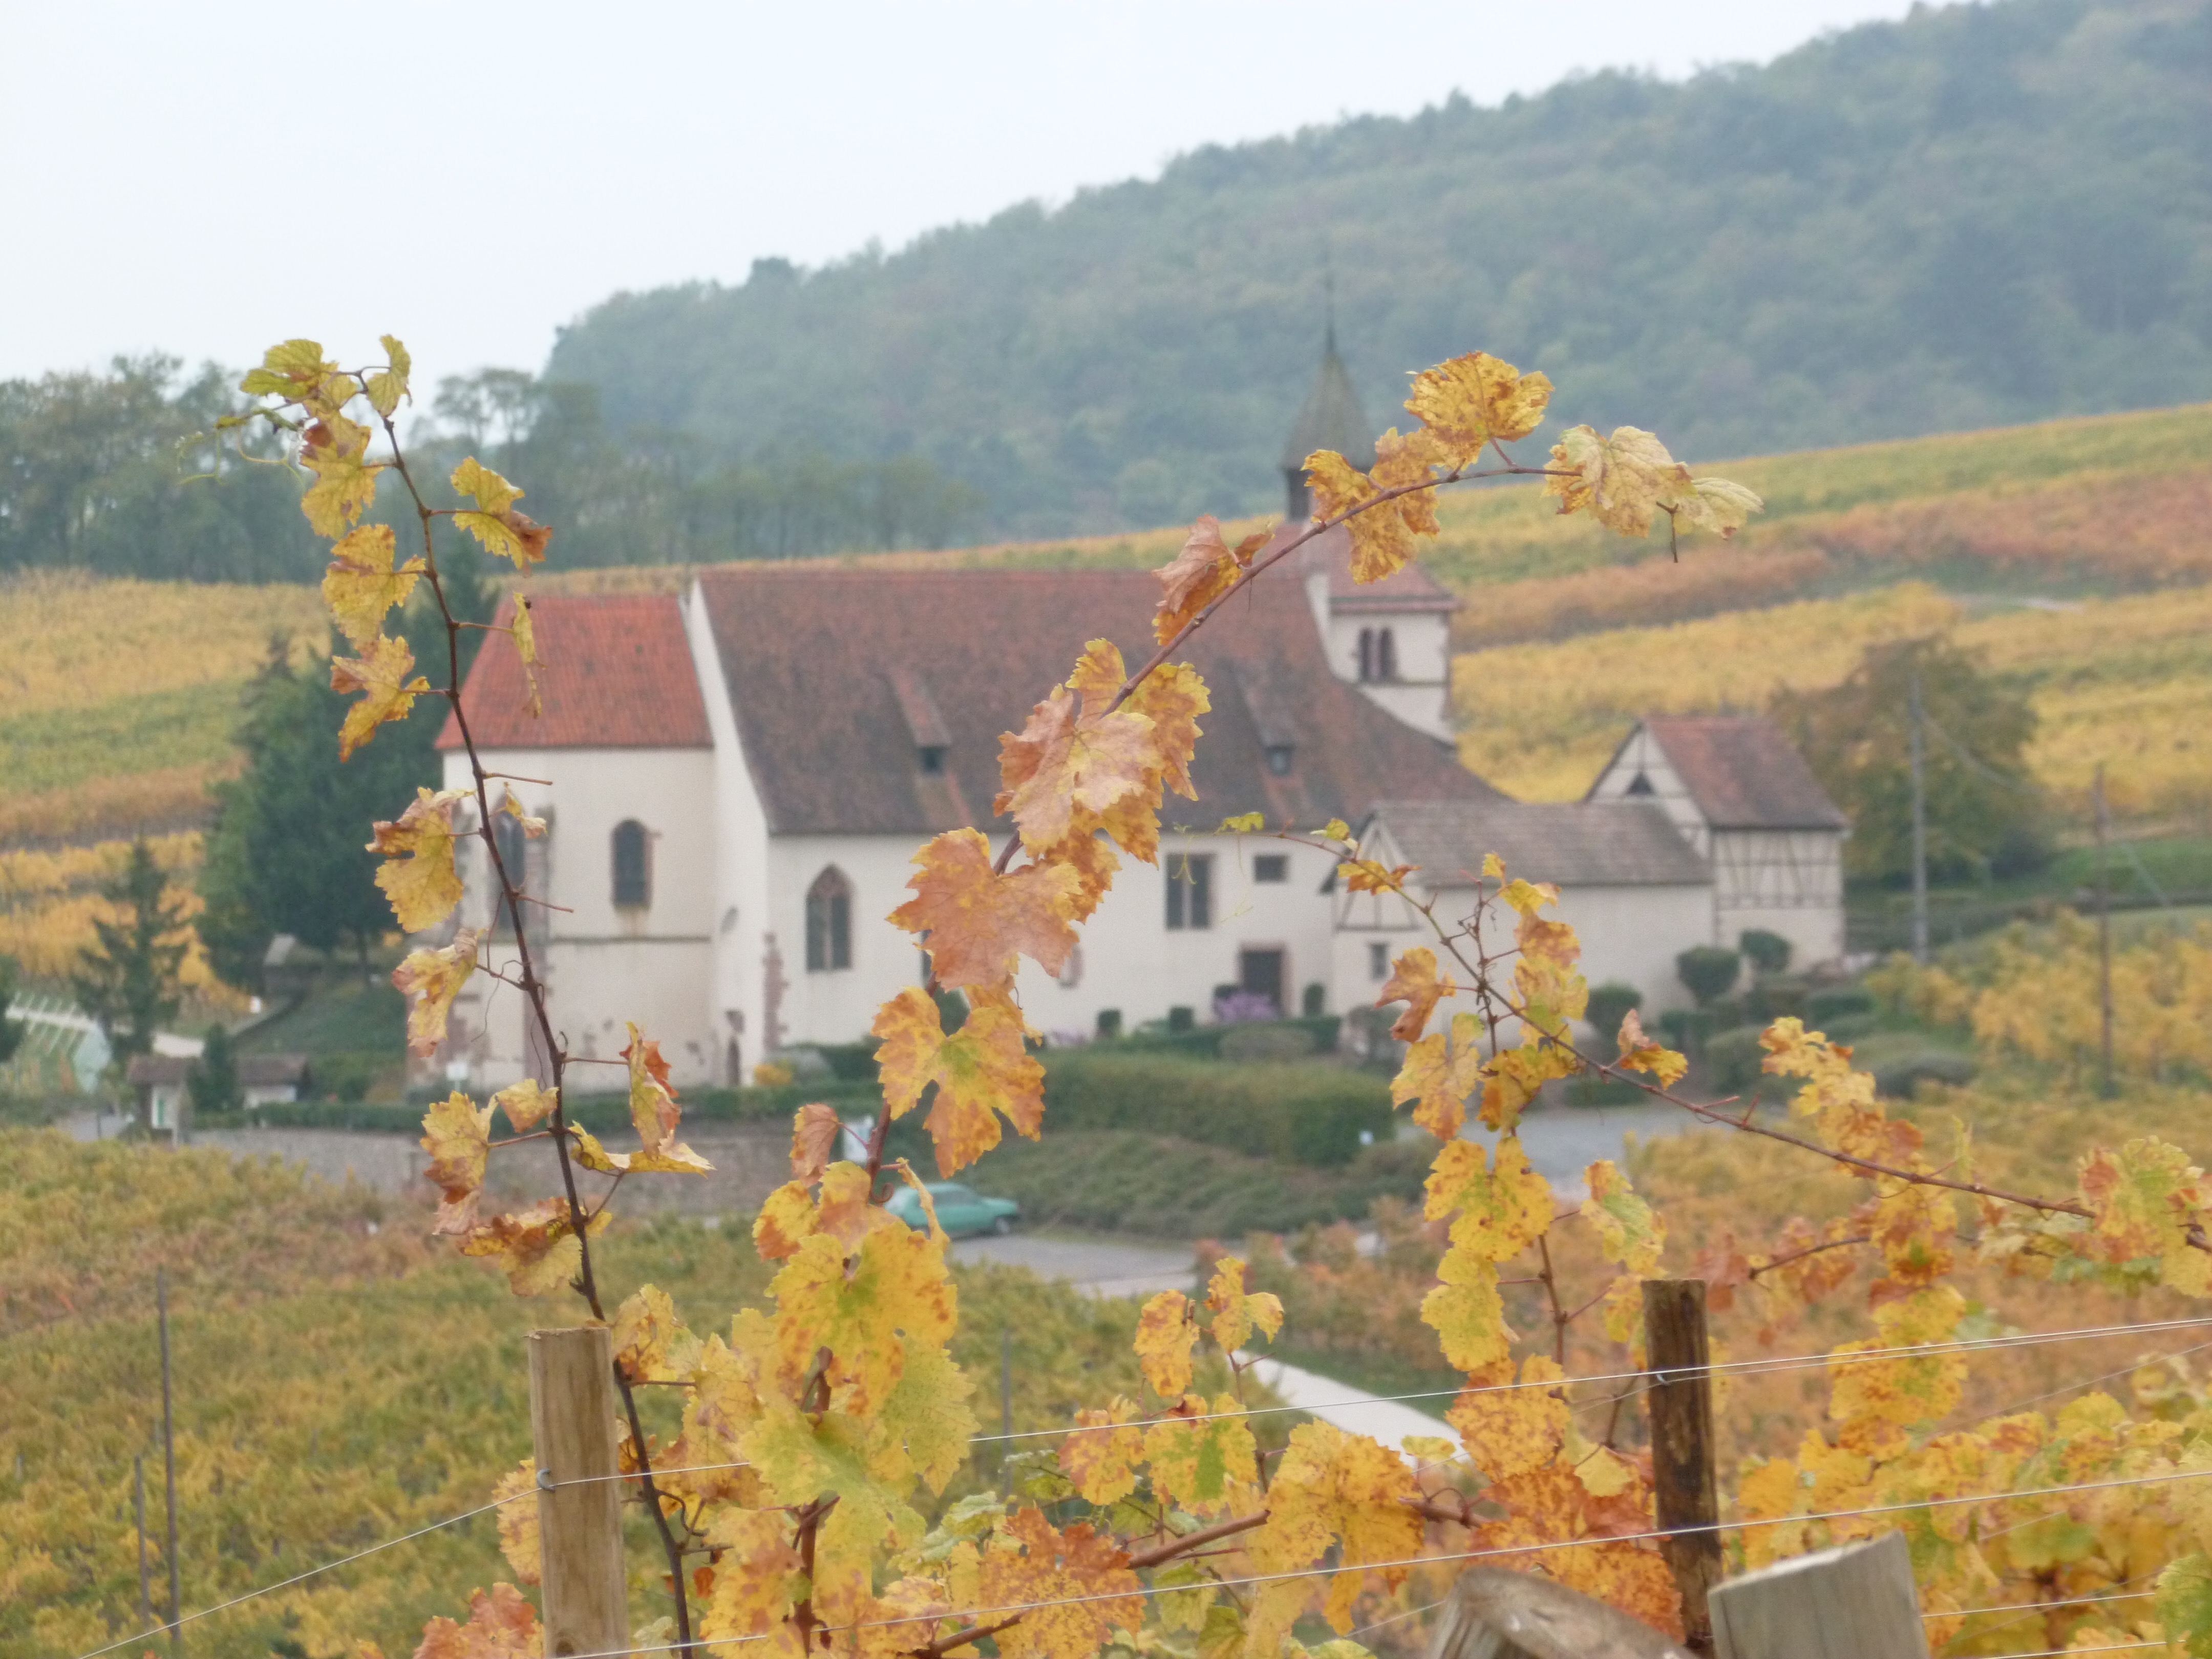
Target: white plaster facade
1776, 852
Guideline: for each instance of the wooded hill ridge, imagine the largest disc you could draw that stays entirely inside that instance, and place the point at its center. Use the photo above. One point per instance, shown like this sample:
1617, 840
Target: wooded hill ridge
1980, 213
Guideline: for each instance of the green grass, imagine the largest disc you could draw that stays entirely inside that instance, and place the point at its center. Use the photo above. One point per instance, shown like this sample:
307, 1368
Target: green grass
346, 1015
62, 748
1126, 1180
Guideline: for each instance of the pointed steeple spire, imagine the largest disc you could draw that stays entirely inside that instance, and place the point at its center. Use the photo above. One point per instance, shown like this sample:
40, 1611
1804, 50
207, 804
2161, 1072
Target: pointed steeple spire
1330, 419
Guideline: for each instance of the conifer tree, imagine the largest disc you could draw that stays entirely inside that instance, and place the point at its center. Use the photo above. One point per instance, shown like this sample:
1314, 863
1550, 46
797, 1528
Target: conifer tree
128, 981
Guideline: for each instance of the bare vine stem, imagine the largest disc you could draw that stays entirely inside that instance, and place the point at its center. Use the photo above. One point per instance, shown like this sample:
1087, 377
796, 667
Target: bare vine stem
532, 987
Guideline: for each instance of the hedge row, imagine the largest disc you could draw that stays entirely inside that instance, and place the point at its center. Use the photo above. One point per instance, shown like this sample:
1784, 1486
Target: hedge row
1301, 1113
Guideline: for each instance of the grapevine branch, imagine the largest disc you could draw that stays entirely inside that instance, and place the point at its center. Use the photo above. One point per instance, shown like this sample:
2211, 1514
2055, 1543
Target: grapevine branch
511, 894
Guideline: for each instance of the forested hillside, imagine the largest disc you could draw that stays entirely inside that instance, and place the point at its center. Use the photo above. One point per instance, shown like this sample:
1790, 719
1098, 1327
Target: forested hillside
1983, 213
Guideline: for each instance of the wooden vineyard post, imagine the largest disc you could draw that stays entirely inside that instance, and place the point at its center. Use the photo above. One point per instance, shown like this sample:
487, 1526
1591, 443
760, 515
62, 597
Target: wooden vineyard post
572, 1426
1680, 1401
1855, 1602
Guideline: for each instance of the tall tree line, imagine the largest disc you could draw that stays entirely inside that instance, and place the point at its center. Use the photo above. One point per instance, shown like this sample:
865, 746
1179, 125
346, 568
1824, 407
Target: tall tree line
120, 474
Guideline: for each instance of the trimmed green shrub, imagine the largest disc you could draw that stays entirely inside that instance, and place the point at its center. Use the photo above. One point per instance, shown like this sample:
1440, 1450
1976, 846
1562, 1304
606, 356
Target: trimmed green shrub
1826, 1006
1733, 1058
1303, 1113
1687, 1029
1766, 952
1707, 971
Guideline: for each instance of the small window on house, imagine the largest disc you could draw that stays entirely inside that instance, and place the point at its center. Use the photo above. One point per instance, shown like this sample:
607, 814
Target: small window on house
1281, 757
633, 869
1272, 866
1639, 785
830, 922
1190, 891
1378, 655
933, 759
1378, 960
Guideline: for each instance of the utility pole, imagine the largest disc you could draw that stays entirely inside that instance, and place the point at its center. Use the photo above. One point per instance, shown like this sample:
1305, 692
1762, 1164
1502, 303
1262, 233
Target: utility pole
169, 1461
1919, 828
2104, 938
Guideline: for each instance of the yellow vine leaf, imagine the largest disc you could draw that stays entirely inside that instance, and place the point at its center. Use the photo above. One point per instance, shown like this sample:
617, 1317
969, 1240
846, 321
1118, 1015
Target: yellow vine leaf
1238, 1312
982, 1070
336, 450
1909, 1389
981, 923
1073, 754
1627, 479
431, 980
1100, 1455
1629, 1230
1414, 982
897, 1287
787, 1220
2145, 1199
1381, 534
457, 1135
1370, 876
1167, 1330
379, 674
1172, 696
425, 887
1205, 569
2184, 1605
495, 522
524, 633
295, 370
1513, 1430
537, 1248
1201, 1458
510, 804
654, 1114
1500, 1211
516, 1494
1465, 1311
650, 1343
388, 387
922, 1196
1332, 1487
756, 1561
501, 1624
1638, 1052
1243, 824
814, 1132
361, 586
1085, 1579
526, 1104
1438, 1073
799, 1459
1469, 401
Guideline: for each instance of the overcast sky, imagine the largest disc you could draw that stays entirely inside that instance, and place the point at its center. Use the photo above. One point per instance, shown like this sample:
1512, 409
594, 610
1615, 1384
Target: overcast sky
201, 181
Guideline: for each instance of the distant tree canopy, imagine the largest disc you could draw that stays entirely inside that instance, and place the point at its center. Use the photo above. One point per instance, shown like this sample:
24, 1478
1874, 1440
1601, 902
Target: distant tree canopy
118, 474
288, 854
90, 471
1980, 213
1984, 818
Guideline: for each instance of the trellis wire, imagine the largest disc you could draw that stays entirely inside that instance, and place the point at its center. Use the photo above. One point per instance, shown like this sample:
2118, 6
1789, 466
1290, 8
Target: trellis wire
1755, 1366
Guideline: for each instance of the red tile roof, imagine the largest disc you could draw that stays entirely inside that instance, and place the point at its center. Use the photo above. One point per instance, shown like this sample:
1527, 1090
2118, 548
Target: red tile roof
614, 669
1744, 773
835, 673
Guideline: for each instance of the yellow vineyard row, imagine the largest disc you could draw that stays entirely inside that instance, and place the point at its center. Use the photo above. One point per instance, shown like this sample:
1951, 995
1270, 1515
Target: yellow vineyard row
32, 877
2125, 681
72, 642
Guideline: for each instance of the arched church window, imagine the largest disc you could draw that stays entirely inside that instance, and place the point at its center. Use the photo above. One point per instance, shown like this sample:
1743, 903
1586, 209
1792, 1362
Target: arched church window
830, 922
633, 869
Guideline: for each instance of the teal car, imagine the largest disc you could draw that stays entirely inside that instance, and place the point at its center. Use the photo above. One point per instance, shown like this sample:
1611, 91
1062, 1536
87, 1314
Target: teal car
961, 1211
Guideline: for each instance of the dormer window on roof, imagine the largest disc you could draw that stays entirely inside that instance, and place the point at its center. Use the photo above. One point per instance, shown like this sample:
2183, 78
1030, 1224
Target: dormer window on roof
1282, 757
932, 758
1640, 785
